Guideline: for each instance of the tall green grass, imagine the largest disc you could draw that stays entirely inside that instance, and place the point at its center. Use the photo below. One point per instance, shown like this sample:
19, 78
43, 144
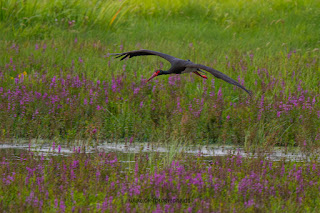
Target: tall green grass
244, 25
278, 38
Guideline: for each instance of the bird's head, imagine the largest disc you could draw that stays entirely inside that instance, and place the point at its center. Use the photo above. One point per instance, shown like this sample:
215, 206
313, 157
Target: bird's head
156, 73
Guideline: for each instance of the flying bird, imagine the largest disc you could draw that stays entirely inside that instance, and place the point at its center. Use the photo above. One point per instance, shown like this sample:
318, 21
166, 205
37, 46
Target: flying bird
179, 66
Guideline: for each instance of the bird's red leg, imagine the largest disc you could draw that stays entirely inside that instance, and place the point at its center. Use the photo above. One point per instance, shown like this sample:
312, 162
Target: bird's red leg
203, 76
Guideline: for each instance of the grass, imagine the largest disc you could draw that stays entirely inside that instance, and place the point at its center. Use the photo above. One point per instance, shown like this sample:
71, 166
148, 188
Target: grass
270, 46
73, 96
58, 83
103, 182
239, 25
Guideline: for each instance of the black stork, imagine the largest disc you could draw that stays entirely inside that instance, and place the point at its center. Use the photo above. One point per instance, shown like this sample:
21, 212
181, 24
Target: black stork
179, 66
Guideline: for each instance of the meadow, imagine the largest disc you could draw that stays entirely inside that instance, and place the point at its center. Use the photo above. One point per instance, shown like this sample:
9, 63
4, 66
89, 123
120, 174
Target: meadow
58, 83
102, 182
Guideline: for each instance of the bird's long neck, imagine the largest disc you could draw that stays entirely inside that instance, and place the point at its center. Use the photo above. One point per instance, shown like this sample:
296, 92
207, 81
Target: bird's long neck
157, 73
164, 72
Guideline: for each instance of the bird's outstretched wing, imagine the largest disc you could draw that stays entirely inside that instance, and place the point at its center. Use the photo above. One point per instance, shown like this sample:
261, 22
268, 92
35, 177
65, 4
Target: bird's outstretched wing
220, 75
143, 52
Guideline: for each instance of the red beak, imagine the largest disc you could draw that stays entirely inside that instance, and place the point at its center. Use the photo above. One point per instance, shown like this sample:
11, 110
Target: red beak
154, 75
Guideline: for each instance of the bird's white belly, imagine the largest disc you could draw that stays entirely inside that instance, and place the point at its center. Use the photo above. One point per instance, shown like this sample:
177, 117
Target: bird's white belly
188, 70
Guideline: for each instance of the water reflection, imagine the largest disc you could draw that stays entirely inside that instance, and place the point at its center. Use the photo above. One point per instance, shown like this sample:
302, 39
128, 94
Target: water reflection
276, 154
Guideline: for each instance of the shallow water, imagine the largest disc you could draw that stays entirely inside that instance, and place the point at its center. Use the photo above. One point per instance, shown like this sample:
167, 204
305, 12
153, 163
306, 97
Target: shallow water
276, 154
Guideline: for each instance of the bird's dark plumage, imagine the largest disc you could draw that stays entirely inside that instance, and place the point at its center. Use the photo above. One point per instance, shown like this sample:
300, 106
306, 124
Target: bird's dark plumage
179, 66
144, 52
220, 75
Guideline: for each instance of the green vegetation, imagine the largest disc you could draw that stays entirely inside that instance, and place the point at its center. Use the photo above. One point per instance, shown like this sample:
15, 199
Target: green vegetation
270, 46
102, 182
214, 27
58, 83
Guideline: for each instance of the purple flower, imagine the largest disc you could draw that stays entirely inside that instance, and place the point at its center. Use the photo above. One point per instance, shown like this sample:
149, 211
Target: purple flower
278, 114
56, 203
98, 175
136, 90
249, 203
179, 105
131, 140
62, 206
154, 88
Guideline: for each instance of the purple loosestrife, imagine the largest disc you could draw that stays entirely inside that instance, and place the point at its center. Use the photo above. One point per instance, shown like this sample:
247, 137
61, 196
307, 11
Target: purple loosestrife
44, 47
190, 107
131, 140
205, 90
136, 90
53, 146
179, 105
62, 206
30, 197
72, 175
220, 94
240, 80
56, 203
289, 54
172, 80
249, 203
16, 80
261, 107
154, 88
278, 113
113, 85
53, 83
212, 85
98, 175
